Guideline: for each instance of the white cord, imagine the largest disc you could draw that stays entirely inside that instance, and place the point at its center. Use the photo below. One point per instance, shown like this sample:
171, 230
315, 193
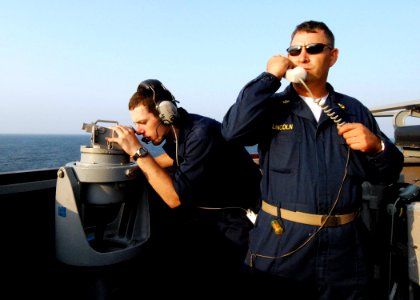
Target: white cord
327, 110
227, 207
394, 211
176, 145
249, 213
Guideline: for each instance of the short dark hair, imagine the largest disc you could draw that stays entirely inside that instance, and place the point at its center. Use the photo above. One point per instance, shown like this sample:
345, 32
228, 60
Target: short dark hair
143, 97
315, 26
149, 93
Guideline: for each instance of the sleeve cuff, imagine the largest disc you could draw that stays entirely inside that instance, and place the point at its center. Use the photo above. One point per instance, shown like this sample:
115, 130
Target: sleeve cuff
382, 148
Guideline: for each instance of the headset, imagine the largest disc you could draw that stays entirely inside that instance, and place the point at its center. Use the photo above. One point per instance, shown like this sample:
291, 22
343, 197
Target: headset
167, 109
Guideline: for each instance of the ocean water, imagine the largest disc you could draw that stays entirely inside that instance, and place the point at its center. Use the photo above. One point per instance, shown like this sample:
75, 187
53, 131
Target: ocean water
19, 152
22, 152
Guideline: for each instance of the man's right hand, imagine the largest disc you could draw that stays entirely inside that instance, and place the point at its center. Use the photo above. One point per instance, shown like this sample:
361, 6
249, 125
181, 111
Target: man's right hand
278, 65
126, 139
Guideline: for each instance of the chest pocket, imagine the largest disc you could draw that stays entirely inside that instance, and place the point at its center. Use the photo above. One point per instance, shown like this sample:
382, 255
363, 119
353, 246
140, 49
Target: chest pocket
285, 150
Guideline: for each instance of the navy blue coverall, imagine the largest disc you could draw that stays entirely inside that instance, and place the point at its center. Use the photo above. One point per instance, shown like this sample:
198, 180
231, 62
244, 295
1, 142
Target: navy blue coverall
217, 182
303, 164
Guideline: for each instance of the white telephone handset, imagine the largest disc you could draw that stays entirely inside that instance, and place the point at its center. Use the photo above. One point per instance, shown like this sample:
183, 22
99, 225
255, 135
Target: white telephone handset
298, 75
295, 75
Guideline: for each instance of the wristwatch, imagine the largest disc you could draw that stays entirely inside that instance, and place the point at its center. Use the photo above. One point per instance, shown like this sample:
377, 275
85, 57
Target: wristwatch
141, 152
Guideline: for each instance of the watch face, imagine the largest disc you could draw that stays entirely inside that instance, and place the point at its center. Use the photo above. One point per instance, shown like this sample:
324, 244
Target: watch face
143, 152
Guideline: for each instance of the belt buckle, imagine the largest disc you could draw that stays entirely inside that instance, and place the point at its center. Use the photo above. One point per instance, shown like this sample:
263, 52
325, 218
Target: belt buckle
332, 221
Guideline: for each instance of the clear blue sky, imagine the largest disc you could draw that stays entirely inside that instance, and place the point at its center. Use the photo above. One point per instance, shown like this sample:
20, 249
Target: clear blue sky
65, 63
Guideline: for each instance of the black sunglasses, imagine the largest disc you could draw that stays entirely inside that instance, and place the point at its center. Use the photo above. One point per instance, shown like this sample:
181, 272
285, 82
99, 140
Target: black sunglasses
311, 49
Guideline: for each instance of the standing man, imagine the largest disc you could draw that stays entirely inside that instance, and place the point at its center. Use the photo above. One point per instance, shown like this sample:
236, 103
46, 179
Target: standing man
207, 183
308, 241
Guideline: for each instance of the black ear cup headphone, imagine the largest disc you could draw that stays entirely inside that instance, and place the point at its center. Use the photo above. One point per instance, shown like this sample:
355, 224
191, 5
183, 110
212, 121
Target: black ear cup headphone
167, 109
